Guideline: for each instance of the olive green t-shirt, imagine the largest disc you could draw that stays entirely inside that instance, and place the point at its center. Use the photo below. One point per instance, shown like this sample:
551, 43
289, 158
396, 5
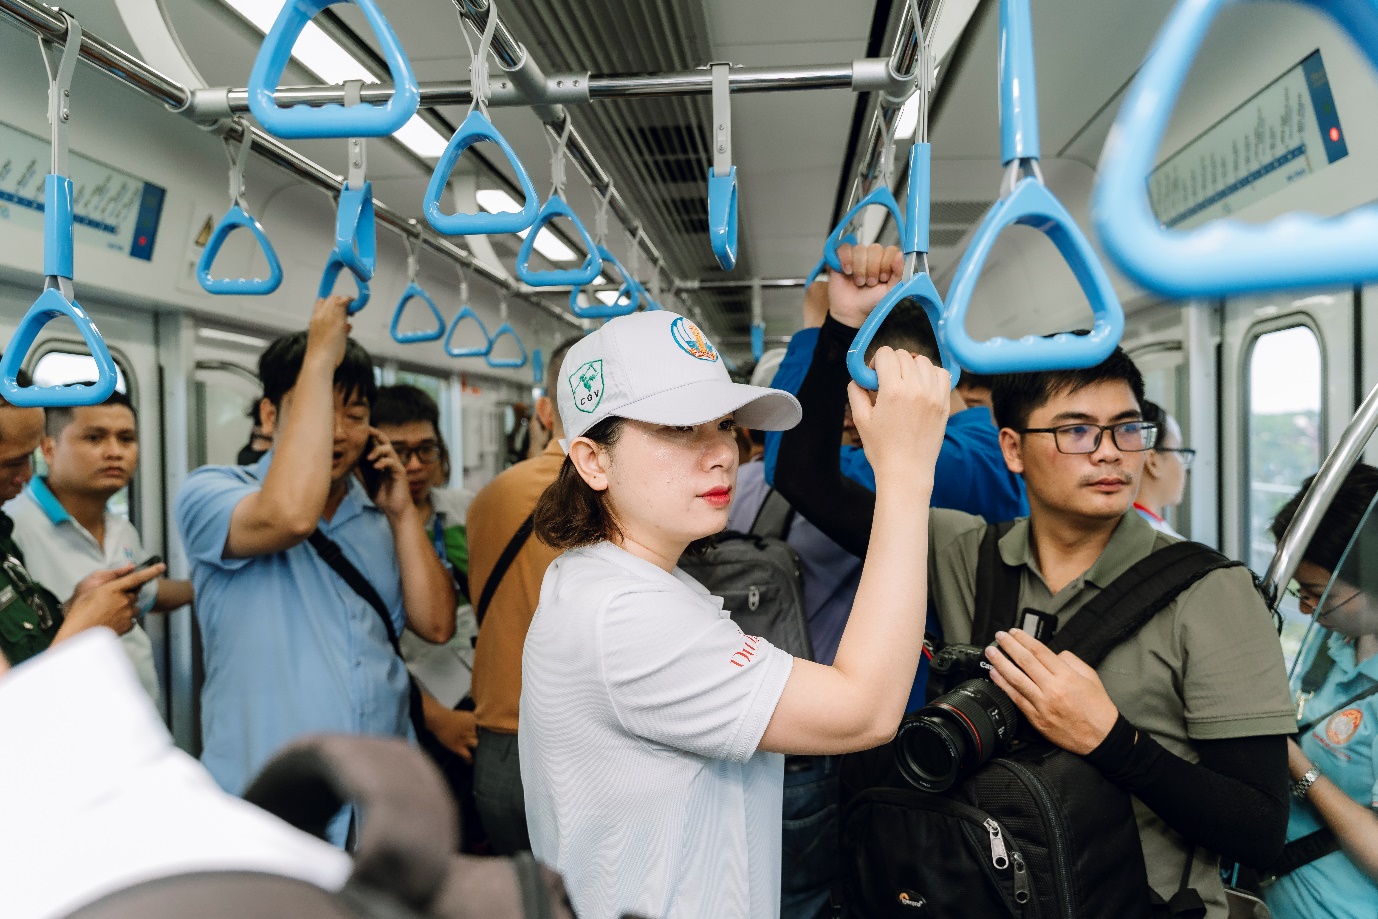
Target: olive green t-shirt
1207, 667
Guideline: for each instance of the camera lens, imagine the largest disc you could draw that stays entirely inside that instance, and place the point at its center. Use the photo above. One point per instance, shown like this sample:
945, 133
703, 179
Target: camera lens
955, 733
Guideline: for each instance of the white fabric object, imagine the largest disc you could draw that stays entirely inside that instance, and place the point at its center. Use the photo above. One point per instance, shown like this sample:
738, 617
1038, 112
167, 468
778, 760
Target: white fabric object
660, 368
642, 709
101, 800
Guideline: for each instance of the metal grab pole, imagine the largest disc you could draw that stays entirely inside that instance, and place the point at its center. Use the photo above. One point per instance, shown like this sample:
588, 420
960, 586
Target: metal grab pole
574, 88
134, 73
1317, 501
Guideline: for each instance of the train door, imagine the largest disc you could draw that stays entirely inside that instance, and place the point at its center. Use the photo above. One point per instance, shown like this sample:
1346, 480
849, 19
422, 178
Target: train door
1288, 377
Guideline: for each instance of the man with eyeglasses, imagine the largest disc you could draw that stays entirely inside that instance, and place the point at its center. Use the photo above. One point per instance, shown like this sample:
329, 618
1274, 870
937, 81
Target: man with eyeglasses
31, 618
1190, 714
1165, 470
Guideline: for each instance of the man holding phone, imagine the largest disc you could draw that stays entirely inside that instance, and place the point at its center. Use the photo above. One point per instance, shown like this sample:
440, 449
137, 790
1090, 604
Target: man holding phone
63, 524
291, 646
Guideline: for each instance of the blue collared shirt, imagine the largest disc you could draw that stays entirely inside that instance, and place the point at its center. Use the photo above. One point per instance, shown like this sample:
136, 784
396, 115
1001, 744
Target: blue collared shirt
971, 475
290, 649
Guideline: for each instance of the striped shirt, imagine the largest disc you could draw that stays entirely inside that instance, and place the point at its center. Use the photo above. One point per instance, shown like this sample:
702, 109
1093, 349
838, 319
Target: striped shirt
642, 707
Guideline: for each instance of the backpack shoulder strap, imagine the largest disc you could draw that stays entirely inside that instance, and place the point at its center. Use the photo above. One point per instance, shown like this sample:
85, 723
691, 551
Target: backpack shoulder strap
997, 587
774, 518
1128, 603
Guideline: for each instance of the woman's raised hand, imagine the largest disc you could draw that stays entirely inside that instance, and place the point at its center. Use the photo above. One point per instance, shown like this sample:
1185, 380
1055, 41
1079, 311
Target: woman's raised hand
902, 423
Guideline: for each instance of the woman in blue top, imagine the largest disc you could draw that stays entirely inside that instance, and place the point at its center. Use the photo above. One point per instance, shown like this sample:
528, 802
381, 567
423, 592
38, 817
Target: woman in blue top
1334, 767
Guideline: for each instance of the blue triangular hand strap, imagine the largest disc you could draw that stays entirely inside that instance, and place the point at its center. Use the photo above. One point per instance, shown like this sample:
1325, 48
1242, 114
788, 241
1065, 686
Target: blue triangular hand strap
356, 244
881, 196
235, 218
466, 313
538, 367
1032, 205
585, 274
414, 292
919, 287
477, 128
506, 329
630, 288
1226, 256
50, 305
332, 120
722, 217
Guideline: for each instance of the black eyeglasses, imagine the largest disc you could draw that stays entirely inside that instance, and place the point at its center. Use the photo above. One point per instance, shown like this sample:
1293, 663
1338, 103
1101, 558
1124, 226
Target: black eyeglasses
1185, 454
28, 590
1307, 596
1129, 436
427, 452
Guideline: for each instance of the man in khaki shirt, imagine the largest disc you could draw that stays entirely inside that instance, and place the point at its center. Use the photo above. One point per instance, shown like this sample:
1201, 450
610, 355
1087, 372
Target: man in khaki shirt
1191, 714
495, 515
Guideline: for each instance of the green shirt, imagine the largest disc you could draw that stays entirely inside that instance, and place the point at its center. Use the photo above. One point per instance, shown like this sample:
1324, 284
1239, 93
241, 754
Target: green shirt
29, 614
1208, 667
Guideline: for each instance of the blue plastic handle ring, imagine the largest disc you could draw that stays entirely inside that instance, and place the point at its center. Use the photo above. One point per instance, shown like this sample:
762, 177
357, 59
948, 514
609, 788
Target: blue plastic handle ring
477, 128
414, 292
585, 274
51, 305
722, 217
920, 288
332, 120
235, 218
467, 313
506, 362
882, 197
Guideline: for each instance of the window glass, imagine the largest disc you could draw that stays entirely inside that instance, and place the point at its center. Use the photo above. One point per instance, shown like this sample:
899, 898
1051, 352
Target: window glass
1284, 444
59, 368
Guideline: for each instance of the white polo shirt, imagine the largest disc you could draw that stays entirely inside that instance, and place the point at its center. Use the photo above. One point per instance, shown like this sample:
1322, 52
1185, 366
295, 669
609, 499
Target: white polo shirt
642, 707
59, 553
99, 799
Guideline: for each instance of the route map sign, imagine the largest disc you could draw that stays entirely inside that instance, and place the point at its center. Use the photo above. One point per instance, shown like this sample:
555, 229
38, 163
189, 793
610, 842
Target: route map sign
114, 210
1285, 132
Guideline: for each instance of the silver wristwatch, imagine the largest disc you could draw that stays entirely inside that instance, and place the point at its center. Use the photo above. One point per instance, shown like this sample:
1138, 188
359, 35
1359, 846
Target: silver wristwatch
1302, 787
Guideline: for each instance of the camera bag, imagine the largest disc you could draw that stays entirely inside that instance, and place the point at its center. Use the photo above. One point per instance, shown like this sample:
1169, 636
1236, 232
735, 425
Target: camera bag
1036, 832
758, 577
405, 866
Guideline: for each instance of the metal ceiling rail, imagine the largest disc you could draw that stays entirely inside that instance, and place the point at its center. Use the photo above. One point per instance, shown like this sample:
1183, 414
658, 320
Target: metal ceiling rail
865, 75
134, 73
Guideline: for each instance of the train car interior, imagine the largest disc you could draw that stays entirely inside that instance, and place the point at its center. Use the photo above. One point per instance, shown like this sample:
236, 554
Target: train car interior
1186, 179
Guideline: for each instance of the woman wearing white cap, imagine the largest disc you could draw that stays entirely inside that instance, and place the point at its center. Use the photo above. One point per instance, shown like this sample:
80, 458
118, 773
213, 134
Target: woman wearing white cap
651, 727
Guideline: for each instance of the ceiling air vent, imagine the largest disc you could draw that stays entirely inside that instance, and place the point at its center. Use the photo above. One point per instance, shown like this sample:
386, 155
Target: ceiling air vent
942, 237
964, 212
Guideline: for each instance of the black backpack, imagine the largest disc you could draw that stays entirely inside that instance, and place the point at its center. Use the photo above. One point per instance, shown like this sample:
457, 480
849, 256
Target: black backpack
1037, 832
757, 576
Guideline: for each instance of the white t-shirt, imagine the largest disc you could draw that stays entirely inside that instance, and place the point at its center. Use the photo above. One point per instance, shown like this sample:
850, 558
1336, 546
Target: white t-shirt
99, 799
642, 707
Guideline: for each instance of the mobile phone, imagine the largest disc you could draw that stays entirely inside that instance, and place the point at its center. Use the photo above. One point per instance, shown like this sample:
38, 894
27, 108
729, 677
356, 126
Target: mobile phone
371, 477
149, 563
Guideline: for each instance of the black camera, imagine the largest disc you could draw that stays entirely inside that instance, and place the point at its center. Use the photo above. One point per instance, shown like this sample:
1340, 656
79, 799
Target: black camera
962, 728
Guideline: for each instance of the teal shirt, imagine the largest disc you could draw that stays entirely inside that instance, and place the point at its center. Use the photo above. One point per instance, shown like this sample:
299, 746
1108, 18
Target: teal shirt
1344, 747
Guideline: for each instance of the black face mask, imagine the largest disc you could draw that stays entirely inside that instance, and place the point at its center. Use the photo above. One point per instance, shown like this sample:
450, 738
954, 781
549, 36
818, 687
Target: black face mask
248, 456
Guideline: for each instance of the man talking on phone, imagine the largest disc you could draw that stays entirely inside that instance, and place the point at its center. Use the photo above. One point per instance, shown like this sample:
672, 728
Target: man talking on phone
295, 565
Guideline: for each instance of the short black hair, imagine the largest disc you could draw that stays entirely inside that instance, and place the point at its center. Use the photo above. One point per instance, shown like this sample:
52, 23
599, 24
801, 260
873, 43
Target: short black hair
1016, 396
1155, 413
403, 404
907, 328
1345, 514
280, 365
21, 378
976, 380
59, 417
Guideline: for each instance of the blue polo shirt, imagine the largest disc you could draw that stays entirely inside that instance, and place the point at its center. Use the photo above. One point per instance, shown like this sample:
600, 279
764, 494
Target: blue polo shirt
971, 475
1344, 747
290, 649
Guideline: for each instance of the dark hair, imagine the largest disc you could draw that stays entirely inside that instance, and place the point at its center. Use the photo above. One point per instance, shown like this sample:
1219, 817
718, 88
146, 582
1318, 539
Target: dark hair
59, 417
552, 369
569, 513
976, 380
402, 404
907, 328
280, 365
1153, 412
1016, 396
255, 412
1341, 519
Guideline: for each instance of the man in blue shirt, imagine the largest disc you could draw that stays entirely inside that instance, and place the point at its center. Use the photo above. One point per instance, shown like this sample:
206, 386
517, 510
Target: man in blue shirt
971, 475
290, 648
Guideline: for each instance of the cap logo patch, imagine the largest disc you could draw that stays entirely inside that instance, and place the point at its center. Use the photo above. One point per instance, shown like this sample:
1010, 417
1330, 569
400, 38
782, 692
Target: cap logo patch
586, 384
691, 338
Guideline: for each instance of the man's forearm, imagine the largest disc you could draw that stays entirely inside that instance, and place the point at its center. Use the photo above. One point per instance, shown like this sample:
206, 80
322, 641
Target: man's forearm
428, 593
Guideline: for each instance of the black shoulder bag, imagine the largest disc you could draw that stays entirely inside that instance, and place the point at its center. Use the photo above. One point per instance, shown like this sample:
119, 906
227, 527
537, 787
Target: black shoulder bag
509, 555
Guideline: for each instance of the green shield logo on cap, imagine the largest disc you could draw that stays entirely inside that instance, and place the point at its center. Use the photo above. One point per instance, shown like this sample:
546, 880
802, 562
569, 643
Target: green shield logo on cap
586, 383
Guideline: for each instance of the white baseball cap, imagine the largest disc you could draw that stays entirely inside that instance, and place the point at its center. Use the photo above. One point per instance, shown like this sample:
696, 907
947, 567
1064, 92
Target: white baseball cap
660, 368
